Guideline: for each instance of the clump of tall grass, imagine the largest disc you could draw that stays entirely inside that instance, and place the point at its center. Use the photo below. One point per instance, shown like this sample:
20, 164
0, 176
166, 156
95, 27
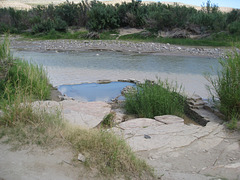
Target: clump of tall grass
19, 75
5, 58
24, 124
155, 99
111, 154
226, 87
32, 79
20, 84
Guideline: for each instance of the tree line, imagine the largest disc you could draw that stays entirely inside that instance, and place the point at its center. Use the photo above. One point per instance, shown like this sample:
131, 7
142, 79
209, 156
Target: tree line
97, 16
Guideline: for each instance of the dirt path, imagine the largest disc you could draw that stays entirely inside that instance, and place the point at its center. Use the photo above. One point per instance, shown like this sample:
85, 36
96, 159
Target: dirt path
32, 163
35, 163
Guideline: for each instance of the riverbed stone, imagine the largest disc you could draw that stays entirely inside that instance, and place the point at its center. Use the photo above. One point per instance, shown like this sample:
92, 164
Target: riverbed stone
104, 81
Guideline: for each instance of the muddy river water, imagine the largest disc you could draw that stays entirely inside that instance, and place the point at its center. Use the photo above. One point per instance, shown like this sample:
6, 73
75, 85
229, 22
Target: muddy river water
86, 67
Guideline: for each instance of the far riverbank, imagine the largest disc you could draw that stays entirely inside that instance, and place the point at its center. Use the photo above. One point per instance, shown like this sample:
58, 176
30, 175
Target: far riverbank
115, 45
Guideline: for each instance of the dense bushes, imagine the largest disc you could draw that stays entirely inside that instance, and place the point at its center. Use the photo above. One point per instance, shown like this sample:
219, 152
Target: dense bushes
48, 25
102, 16
97, 16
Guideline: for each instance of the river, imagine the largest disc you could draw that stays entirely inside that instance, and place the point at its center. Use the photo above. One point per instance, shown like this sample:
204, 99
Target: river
85, 67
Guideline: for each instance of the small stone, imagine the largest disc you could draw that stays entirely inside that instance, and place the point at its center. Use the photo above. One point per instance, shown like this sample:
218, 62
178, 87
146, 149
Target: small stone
147, 136
105, 81
128, 89
61, 97
81, 157
195, 98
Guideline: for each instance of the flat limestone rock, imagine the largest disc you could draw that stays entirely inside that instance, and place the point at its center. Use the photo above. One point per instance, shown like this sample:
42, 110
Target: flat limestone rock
179, 151
167, 133
85, 114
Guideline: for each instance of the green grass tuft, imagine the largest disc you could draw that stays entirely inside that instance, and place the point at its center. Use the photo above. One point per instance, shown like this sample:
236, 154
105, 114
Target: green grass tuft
155, 99
108, 152
108, 120
225, 87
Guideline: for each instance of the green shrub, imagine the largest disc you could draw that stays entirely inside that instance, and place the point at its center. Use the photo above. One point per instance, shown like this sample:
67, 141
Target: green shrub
102, 16
132, 14
225, 87
4, 28
155, 99
47, 25
68, 12
234, 27
32, 79
60, 25
232, 16
43, 26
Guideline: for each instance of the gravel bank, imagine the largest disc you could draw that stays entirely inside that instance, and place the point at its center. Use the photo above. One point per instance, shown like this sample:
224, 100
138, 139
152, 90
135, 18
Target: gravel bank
116, 45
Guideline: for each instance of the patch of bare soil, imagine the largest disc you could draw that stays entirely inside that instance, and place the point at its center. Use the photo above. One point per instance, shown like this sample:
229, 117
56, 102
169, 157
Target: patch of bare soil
33, 163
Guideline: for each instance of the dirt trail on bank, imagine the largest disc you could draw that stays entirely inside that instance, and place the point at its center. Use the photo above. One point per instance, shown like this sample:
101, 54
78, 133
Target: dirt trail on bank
36, 163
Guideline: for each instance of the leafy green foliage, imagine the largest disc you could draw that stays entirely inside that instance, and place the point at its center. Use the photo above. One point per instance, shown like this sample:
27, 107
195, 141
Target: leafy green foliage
132, 14
102, 16
234, 27
98, 16
48, 25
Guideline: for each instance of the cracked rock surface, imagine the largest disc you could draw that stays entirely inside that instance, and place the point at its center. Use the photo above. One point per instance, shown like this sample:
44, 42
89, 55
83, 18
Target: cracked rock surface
180, 151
